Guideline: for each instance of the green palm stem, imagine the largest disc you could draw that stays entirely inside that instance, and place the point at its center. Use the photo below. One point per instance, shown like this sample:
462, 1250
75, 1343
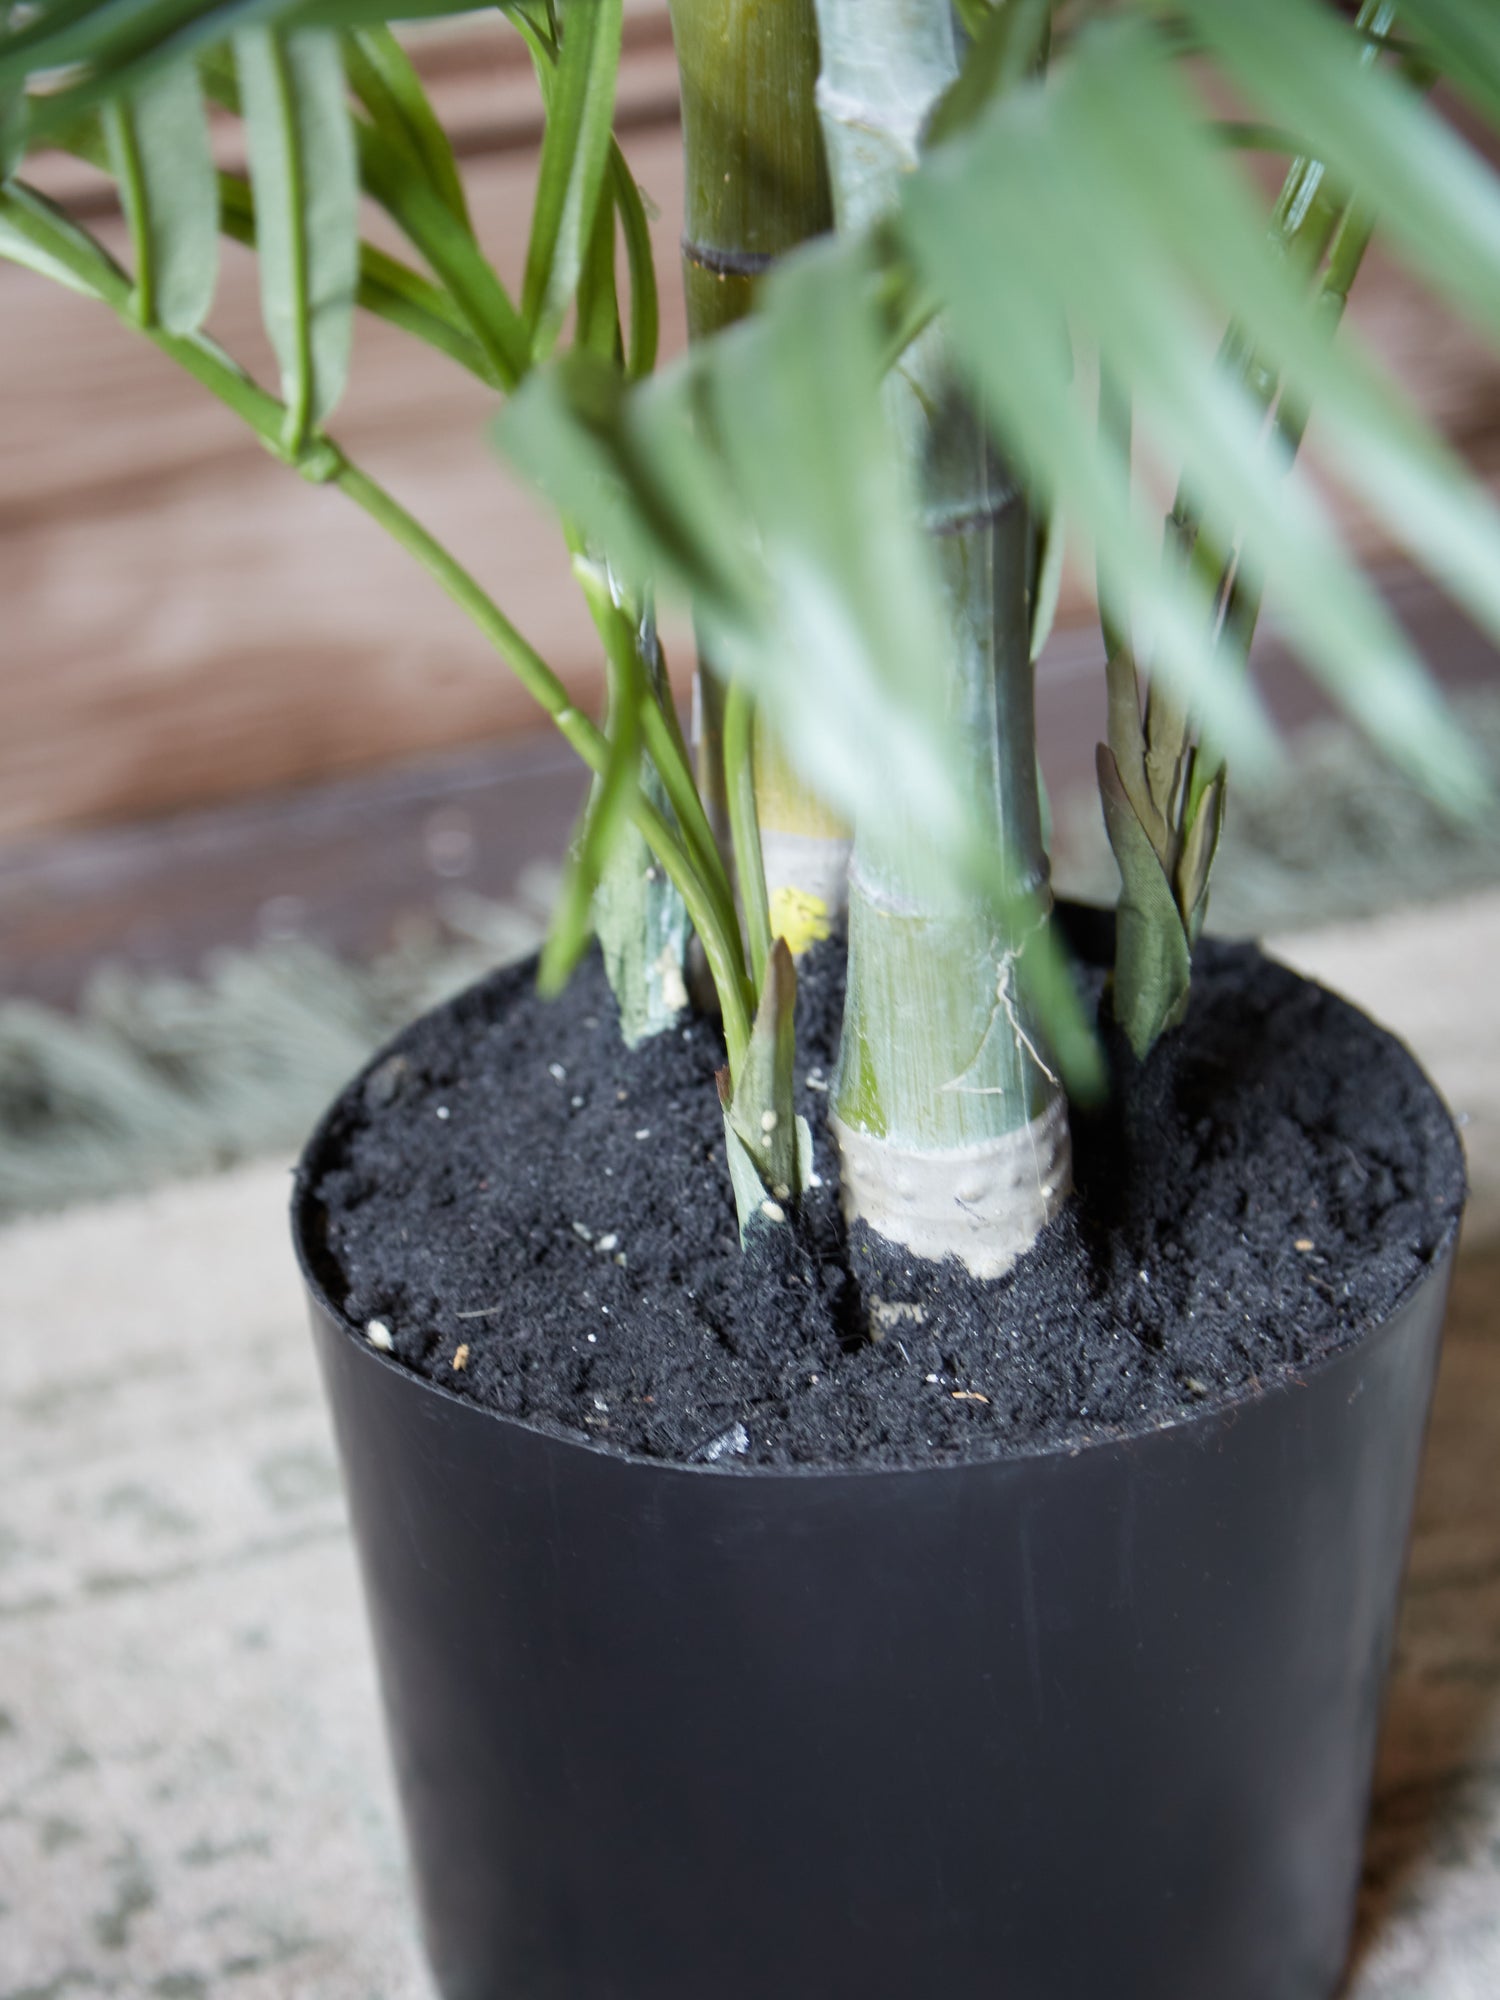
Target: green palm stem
756, 186
952, 1127
63, 250
1162, 785
1245, 590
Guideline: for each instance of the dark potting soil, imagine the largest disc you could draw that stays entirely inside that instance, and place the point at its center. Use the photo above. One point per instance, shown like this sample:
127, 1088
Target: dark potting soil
540, 1220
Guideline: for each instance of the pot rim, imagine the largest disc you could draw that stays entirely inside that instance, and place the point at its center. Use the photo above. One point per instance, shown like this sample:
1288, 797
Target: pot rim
1283, 1378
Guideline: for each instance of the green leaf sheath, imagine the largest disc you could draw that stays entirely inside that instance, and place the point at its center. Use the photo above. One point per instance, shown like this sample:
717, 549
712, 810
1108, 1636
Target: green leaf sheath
637, 911
608, 809
639, 915
575, 160
597, 321
1009, 42
1153, 961
160, 154
744, 823
388, 87
304, 171
769, 1148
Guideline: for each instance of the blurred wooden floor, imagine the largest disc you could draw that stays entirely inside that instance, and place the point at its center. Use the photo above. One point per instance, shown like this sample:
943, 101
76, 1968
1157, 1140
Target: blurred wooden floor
238, 674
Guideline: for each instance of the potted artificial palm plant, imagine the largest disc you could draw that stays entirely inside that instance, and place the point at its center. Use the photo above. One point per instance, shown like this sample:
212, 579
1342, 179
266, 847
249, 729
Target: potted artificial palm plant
881, 1428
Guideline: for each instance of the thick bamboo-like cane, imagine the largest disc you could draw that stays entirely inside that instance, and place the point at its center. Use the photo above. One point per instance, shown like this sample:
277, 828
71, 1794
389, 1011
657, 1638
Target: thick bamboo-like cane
953, 1128
756, 186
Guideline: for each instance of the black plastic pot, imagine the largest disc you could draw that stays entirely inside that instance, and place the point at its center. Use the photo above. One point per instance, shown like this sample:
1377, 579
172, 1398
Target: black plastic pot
1089, 1722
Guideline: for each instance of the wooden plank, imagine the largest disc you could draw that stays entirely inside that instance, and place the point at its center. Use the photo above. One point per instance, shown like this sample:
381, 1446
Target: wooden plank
185, 623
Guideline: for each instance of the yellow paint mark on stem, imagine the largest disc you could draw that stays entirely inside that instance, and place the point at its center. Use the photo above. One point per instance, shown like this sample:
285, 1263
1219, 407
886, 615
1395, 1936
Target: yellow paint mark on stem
800, 918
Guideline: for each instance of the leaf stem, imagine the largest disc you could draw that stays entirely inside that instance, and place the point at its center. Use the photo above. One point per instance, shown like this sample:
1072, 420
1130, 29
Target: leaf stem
119, 124
744, 825
585, 737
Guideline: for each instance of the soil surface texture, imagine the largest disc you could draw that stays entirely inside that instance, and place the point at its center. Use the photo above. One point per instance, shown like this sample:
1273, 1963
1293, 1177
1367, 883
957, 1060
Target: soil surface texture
540, 1220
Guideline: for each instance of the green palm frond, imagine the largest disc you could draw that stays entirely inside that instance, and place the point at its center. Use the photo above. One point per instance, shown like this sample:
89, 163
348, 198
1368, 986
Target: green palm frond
1101, 201
1098, 220
88, 51
757, 479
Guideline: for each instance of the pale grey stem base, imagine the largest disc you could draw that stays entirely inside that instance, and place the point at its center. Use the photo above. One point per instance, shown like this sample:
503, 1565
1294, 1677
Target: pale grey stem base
984, 1204
811, 865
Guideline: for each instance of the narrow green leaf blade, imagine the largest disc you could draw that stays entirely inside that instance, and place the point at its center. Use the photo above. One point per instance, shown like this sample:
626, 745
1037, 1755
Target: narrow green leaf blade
1183, 213
1436, 199
391, 91
449, 248
388, 288
843, 665
1462, 37
637, 476
112, 45
575, 156
303, 170
1002, 268
612, 793
760, 1111
596, 324
12, 106
12, 131
645, 311
1153, 960
160, 153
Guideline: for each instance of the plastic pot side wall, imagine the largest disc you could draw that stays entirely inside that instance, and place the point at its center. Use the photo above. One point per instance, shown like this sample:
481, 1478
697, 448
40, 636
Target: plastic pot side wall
1085, 1723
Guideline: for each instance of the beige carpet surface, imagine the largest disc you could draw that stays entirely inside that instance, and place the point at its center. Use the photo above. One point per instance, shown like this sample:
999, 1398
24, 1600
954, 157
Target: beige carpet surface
194, 1798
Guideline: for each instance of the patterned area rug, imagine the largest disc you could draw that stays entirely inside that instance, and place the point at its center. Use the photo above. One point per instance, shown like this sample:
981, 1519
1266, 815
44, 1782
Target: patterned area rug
193, 1791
